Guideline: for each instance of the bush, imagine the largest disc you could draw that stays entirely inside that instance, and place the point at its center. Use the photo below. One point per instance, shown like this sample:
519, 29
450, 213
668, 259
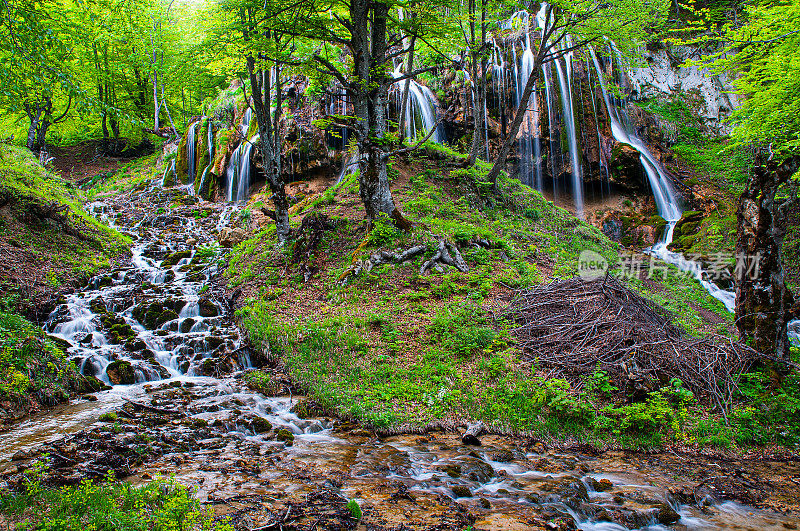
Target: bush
110, 506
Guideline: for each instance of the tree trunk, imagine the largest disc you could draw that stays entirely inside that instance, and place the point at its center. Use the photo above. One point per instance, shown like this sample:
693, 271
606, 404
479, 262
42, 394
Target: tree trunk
370, 93
35, 115
763, 301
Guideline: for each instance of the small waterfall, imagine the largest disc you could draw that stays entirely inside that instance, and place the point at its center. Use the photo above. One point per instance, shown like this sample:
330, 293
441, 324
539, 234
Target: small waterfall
240, 159
207, 169
421, 114
243, 188
665, 198
191, 146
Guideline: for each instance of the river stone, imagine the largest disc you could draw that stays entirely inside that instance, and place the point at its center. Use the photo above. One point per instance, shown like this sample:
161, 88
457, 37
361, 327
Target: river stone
186, 325
230, 237
285, 436
120, 372
476, 469
207, 307
666, 515
461, 491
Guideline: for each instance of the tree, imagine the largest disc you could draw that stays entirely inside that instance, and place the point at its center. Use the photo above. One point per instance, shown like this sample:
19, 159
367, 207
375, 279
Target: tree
567, 25
762, 55
373, 36
36, 74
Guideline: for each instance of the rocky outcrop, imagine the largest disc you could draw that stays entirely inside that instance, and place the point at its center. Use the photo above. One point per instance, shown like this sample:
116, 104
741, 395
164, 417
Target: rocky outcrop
666, 75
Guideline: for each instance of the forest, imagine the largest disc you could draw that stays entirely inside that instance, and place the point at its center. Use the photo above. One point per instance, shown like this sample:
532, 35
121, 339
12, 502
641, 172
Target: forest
393, 264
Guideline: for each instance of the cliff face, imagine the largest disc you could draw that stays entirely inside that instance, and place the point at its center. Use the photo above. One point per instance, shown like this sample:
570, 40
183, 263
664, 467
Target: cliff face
664, 76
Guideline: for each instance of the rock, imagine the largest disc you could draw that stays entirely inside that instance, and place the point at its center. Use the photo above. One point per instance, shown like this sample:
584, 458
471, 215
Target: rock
476, 469
261, 425
207, 307
502, 456
602, 485
89, 384
666, 515
474, 431
461, 491
186, 325
285, 436
120, 372
230, 237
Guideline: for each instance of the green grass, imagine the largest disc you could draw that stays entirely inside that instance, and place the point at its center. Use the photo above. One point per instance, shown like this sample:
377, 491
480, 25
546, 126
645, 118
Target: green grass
109, 506
31, 365
25, 188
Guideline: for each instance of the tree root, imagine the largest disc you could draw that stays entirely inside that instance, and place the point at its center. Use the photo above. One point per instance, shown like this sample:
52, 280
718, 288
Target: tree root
446, 255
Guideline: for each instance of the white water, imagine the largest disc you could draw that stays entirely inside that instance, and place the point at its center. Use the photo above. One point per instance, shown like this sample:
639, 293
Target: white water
240, 158
665, 198
191, 147
421, 109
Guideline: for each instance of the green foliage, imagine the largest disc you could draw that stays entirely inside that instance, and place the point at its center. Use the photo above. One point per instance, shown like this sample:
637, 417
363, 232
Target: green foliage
762, 57
383, 232
355, 509
109, 506
31, 364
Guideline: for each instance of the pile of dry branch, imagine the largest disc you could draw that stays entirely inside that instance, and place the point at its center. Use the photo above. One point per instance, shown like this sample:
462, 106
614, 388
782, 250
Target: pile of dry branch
574, 326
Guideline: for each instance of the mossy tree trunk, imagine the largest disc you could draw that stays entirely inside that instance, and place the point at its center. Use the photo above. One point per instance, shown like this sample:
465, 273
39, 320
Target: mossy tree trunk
763, 301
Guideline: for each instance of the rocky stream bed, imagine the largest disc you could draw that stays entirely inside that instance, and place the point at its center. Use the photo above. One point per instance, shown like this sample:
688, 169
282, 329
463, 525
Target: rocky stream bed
176, 404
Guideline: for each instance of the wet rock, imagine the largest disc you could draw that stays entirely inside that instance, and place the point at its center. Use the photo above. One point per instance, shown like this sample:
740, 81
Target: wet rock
260, 425
120, 372
502, 456
207, 308
230, 237
476, 470
174, 258
89, 384
461, 491
285, 436
186, 325
602, 485
666, 515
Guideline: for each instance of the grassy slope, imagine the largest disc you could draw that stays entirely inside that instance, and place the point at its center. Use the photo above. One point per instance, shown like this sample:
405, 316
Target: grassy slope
392, 347
41, 260
45, 258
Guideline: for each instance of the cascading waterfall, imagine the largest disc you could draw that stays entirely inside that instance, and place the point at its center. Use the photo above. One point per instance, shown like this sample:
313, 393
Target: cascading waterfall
421, 114
207, 169
665, 198
239, 161
192, 150
529, 137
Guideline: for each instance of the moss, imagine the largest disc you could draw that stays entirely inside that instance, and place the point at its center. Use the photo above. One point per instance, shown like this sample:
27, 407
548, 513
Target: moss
182, 159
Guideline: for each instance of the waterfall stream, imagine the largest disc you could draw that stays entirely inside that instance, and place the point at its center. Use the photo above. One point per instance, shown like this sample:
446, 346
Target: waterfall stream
665, 198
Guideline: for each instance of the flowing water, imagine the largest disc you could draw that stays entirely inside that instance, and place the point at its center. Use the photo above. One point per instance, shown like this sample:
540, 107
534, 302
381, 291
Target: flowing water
234, 445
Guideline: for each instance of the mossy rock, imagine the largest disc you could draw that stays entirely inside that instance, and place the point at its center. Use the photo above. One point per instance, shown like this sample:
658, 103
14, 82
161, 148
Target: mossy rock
121, 332
89, 384
186, 325
156, 314
259, 425
176, 257
285, 436
207, 308
121, 372
307, 408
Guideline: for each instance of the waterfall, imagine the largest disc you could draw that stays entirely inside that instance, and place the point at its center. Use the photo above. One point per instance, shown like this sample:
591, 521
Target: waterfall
665, 198
244, 171
192, 150
207, 169
529, 148
240, 158
421, 114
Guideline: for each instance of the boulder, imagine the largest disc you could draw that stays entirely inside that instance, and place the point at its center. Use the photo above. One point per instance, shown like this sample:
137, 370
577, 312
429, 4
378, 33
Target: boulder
120, 372
230, 237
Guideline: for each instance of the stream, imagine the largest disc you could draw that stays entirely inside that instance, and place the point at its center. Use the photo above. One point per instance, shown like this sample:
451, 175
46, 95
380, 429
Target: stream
172, 358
